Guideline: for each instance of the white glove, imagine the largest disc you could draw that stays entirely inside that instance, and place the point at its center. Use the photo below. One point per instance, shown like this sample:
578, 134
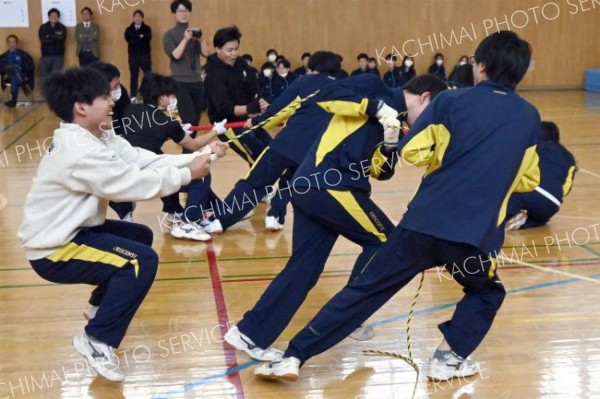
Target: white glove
391, 131
385, 111
220, 127
187, 128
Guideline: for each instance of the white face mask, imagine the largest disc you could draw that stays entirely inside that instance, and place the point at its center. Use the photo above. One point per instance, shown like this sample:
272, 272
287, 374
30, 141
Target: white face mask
172, 104
283, 75
439, 62
116, 94
408, 63
272, 57
463, 63
267, 73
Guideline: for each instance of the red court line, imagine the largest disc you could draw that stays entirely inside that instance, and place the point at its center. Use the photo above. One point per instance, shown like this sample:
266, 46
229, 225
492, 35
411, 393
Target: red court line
230, 358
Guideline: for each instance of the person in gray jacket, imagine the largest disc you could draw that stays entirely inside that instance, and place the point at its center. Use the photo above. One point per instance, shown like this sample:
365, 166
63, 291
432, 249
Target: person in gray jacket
184, 46
86, 34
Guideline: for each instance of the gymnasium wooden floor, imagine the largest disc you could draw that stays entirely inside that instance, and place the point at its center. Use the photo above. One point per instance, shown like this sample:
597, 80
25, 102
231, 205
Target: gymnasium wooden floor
545, 342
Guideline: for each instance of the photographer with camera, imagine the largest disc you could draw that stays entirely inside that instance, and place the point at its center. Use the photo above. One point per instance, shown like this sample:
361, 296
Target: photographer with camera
184, 46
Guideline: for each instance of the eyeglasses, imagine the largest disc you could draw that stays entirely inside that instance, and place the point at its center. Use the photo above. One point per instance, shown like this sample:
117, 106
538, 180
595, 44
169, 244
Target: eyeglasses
472, 60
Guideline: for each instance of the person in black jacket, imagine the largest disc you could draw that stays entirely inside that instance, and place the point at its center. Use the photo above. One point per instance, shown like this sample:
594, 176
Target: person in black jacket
17, 69
118, 93
284, 78
363, 64
138, 36
304, 68
232, 92
393, 77
265, 83
52, 35
437, 68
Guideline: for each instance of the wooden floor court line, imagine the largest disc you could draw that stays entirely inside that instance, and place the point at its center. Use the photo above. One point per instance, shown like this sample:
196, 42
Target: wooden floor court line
223, 318
235, 370
23, 134
17, 119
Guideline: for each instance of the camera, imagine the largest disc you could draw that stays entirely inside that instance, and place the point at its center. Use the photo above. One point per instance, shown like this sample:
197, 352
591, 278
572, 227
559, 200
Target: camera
197, 33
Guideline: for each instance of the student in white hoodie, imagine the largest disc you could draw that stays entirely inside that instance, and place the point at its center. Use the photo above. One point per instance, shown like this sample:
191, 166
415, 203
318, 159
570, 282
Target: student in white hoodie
65, 234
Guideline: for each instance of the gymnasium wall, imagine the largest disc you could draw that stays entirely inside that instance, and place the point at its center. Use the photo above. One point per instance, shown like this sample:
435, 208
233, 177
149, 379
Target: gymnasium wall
564, 33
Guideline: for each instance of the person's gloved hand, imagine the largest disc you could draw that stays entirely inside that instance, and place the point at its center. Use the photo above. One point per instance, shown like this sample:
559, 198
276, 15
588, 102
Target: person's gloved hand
220, 127
391, 131
385, 111
187, 128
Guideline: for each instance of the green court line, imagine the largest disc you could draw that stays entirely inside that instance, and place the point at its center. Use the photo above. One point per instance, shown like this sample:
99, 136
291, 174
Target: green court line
591, 250
23, 134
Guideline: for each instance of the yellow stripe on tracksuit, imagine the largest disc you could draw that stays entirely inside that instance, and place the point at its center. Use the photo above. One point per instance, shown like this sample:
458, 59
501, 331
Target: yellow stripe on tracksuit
527, 179
427, 147
256, 163
350, 205
73, 251
284, 114
569, 181
337, 131
230, 134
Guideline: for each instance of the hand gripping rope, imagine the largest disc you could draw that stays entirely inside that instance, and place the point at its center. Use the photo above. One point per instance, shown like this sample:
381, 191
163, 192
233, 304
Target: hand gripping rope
408, 359
294, 105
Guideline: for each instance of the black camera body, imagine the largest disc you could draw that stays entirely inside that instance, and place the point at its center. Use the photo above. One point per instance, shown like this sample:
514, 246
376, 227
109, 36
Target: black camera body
197, 33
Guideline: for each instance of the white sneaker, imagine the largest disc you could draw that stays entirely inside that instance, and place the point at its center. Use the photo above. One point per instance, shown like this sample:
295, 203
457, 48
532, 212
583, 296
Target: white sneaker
174, 217
248, 215
272, 224
363, 333
100, 356
287, 369
90, 312
128, 217
213, 227
446, 365
242, 343
192, 231
516, 222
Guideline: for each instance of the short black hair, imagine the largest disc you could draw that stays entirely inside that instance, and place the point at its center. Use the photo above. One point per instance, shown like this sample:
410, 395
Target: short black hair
228, 34
155, 85
506, 57
248, 57
340, 57
86, 9
425, 83
325, 62
109, 71
362, 56
271, 50
138, 12
266, 65
63, 89
284, 62
550, 132
305, 55
13, 36
437, 55
175, 5
50, 11
391, 57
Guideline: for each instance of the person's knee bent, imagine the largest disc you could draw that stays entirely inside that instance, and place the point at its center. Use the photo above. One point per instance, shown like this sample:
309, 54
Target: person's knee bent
148, 266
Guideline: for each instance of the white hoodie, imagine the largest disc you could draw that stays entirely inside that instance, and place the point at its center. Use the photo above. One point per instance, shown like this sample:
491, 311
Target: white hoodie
80, 174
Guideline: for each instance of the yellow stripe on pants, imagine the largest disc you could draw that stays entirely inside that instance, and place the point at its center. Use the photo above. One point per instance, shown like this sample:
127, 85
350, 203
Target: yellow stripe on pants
350, 205
73, 251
